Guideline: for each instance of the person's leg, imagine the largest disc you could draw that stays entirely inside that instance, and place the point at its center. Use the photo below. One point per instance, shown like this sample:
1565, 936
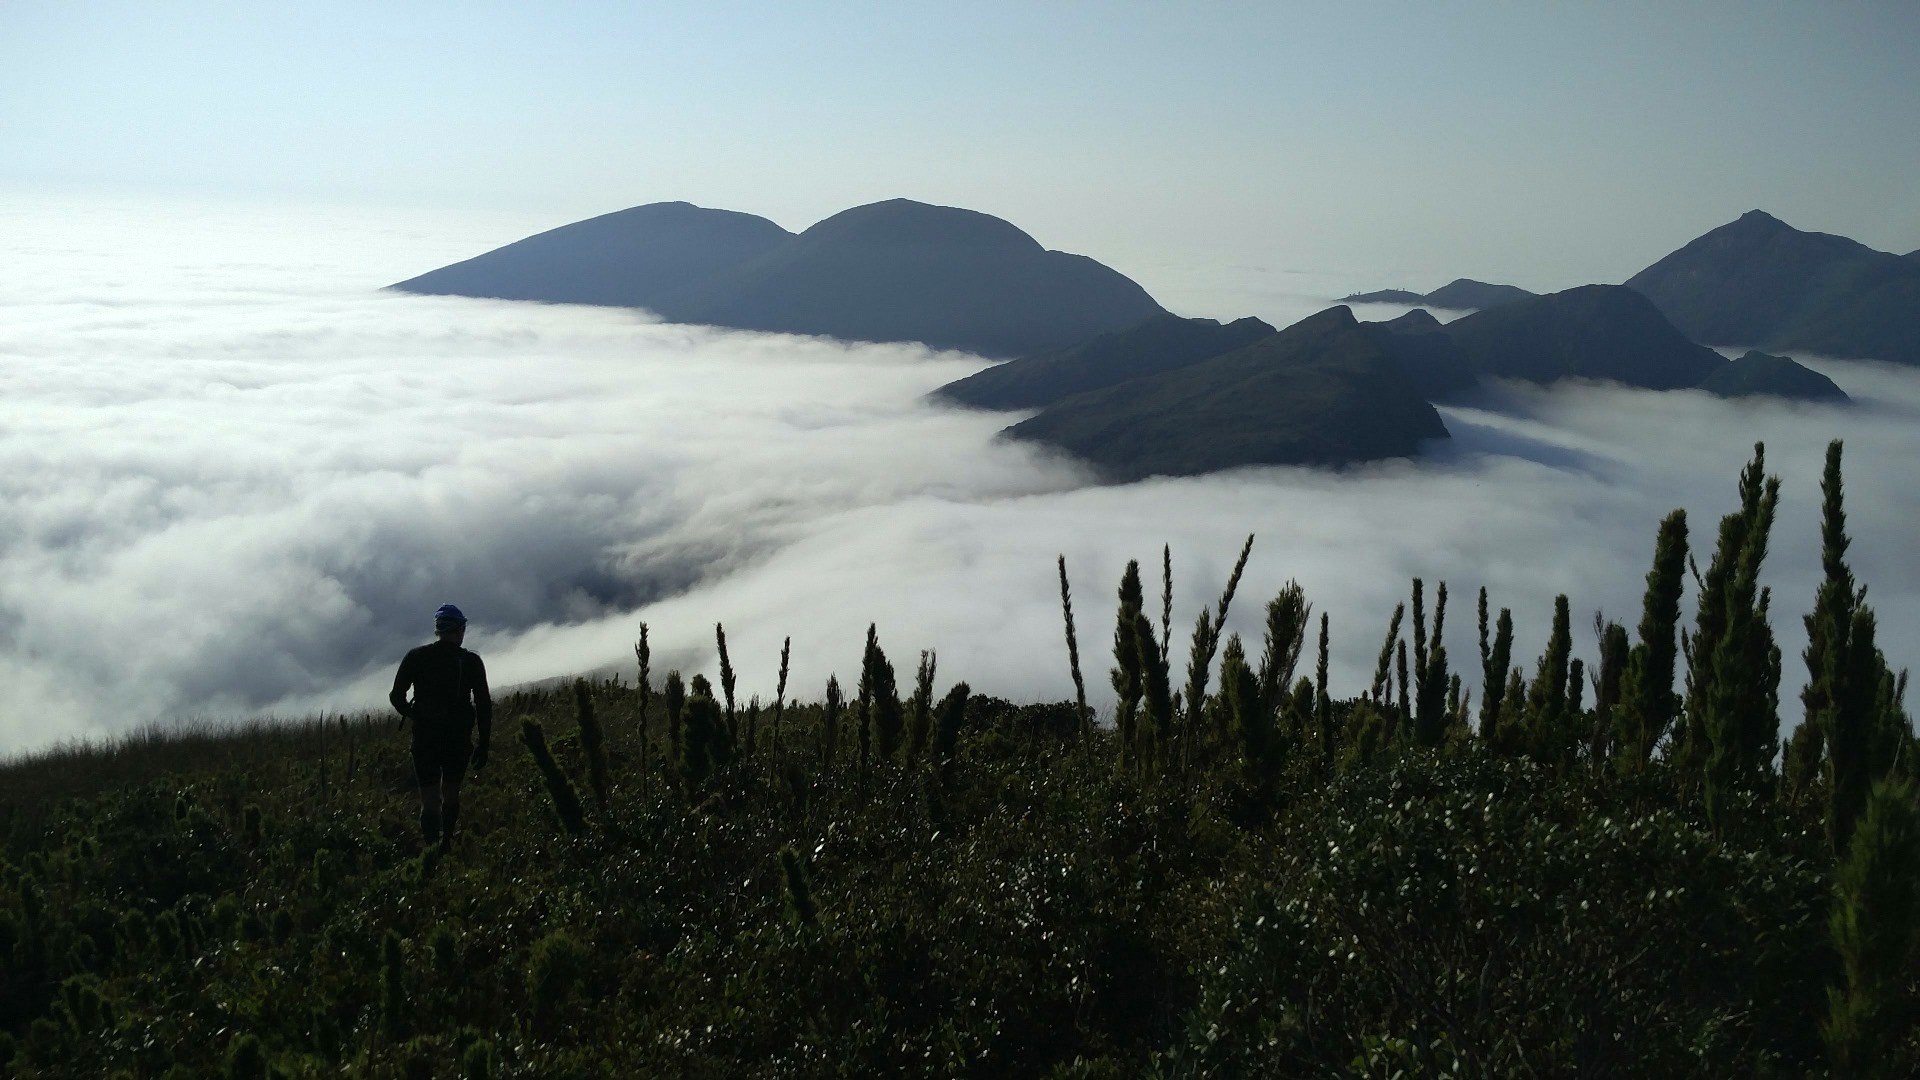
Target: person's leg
427, 774
453, 770
449, 806
430, 814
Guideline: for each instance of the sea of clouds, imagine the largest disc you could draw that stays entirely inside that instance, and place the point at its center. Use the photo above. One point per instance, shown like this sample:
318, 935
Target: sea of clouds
236, 478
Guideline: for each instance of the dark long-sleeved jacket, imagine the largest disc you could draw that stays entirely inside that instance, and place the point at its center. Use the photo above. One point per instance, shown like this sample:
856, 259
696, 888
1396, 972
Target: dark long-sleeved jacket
449, 687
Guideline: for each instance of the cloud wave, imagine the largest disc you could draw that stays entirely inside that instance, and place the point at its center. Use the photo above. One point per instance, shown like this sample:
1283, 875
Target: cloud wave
234, 480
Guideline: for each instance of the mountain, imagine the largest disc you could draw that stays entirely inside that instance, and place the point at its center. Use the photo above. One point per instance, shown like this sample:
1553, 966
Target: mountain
1417, 321
889, 271
1467, 293
1458, 293
1385, 296
1592, 332
1758, 281
630, 258
1161, 343
1418, 342
1758, 373
1320, 392
907, 271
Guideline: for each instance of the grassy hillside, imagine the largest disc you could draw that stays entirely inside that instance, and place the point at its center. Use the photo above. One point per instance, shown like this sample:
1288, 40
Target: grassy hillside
1581, 877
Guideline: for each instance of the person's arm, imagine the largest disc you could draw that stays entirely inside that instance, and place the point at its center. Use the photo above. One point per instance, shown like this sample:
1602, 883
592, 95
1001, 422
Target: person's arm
482, 711
402, 682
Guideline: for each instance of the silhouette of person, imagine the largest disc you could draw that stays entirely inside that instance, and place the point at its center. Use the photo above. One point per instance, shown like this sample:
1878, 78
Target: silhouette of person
450, 698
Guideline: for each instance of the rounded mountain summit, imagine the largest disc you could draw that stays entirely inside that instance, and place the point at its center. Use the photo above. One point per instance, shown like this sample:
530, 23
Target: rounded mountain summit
889, 271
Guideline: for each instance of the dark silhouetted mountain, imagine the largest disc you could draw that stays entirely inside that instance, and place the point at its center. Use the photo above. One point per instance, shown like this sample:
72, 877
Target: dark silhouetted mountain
1385, 296
1592, 332
890, 271
1759, 281
1417, 321
1419, 343
1162, 343
1460, 293
907, 271
1914, 255
1320, 392
1479, 295
630, 258
1775, 376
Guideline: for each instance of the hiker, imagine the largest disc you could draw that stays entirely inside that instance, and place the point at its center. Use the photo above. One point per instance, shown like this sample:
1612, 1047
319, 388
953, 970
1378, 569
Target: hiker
450, 696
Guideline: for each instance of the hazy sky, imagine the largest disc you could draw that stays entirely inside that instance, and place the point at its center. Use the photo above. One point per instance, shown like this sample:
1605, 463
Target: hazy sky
1547, 144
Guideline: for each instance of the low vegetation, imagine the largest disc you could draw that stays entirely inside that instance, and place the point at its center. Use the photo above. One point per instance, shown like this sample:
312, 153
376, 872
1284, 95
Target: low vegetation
1582, 872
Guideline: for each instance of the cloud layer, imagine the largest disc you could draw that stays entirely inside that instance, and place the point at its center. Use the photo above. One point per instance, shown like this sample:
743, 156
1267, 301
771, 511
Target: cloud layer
235, 479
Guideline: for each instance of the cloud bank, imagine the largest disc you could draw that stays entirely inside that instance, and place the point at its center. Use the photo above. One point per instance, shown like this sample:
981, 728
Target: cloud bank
235, 479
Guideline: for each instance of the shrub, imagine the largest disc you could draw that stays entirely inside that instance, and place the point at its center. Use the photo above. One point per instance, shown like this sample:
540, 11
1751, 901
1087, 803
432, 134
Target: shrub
246, 1059
566, 804
799, 894
1875, 928
554, 968
477, 1062
393, 987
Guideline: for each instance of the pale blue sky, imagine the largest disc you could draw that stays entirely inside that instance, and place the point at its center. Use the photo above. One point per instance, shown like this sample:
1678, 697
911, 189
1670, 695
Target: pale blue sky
1542, 143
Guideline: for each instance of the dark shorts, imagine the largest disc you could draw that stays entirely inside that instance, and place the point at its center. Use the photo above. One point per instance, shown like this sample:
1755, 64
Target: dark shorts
440, 752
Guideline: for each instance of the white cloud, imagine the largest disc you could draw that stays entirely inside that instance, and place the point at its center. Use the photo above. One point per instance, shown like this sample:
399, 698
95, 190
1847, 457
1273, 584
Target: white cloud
234, 479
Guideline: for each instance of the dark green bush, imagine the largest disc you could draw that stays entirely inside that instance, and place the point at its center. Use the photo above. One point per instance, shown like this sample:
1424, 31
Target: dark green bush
553, 970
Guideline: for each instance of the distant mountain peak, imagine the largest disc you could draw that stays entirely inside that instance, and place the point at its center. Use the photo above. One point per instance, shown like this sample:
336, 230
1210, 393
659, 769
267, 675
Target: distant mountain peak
1605, 332
896, 270
1761, 374
1464, 294
905, 221
1320, 392
1760, 282
1158, 344
1337, 316
1417, 321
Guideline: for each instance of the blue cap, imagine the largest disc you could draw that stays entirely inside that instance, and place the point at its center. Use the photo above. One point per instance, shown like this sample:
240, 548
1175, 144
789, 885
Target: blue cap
447, 614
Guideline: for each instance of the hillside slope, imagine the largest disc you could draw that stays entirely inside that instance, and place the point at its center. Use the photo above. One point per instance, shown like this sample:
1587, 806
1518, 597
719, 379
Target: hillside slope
1758, 281
1759, 374
1458, 294
906, 271
1593, 332
1435, 364
1161, 343
1320, 392
630, 258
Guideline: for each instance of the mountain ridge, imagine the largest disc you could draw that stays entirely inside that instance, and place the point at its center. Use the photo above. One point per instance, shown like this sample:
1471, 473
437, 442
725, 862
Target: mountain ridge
628, 258
1320, 392
1757, 281
1606, 332
896, 270
1458, 294
1160, 343
1759, 374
